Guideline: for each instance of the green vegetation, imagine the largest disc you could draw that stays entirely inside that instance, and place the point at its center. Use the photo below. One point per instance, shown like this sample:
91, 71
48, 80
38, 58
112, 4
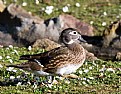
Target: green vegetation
94, 77
102, 77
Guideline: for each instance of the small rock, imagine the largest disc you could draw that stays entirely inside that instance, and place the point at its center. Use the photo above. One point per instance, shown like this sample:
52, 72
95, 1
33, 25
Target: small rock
45, 44
70, 21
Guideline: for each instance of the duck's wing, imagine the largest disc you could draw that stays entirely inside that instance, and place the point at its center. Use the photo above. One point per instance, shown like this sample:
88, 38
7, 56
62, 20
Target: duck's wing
45, 57
47, 54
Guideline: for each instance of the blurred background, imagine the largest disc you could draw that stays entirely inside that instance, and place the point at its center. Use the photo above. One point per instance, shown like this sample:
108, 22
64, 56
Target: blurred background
98, 13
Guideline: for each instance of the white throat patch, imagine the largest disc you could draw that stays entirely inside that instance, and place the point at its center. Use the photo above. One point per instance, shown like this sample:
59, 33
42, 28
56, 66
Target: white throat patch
70, 42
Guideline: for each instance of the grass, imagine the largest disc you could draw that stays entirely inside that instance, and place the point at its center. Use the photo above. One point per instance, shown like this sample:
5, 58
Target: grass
96, 77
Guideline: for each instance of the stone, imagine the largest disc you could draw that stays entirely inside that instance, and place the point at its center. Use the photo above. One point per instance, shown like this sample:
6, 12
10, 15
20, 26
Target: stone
25, 29
45, 44
70, 21
6, 39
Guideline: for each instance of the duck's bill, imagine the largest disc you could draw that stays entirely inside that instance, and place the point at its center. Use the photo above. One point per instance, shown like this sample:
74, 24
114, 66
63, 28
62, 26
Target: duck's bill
81, 39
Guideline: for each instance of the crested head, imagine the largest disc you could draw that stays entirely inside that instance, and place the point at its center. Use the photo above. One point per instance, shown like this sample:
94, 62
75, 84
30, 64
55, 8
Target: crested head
69, 36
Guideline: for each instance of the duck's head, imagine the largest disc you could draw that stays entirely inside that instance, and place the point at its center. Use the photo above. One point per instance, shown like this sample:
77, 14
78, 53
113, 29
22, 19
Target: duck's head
70, 36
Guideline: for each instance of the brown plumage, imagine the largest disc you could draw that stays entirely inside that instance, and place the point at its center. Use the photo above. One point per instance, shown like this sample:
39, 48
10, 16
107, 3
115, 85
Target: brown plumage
59, 61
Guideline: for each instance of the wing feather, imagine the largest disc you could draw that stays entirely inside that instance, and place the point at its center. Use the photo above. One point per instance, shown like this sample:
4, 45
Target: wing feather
46, 57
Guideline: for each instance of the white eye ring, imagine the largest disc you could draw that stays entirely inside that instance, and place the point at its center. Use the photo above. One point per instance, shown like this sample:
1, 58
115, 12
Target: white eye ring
73, 33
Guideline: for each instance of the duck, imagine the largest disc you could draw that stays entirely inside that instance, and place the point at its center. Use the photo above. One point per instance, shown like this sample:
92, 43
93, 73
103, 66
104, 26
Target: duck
60, 61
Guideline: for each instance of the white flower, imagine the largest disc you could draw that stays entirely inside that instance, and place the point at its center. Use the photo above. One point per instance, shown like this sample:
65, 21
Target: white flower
68, 5
65, 9
67, 81
19, 83
4, 2
24, 4
88, 80
18, 76
14, 70
49, 9
86, 70
10, 46
12, 77
91, 78
7, 57
91, 22
37, 2
1, 57
111, 70
77, 4
30, 12
29, 48
9, 68
90, 68
42, 9
118, 16
16, 52
104, 13
103, 23
84, 83
55, 82
10, 60
1, 66
84, 78
7, 48
80, 72
112, 22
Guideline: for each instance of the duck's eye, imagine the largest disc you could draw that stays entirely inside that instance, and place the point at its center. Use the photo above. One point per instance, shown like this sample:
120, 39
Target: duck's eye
73, 33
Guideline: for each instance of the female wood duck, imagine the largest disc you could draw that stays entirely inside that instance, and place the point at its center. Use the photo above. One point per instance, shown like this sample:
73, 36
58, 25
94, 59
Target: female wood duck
61, 61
